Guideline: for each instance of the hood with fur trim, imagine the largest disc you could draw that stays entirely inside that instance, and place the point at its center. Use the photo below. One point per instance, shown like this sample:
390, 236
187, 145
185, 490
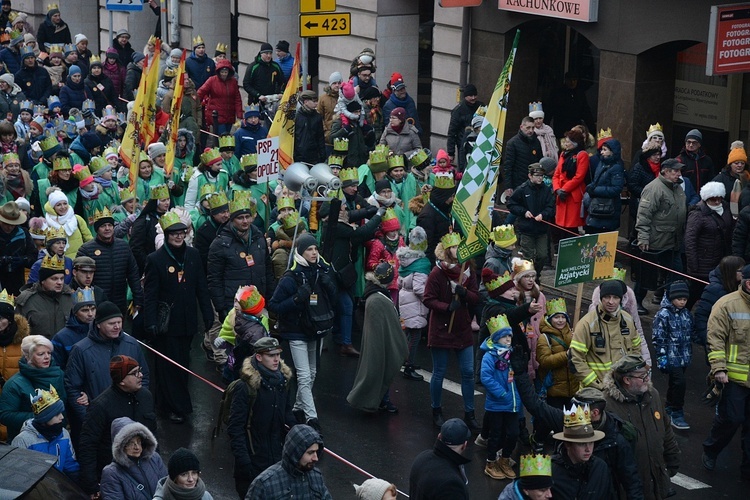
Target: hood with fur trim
611, 389
190, 145
406, 255
123, 430
251, 375
22, 328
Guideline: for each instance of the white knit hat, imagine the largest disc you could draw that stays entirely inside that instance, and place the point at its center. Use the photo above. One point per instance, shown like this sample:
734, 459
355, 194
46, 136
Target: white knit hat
80, 37
372, 489
156, 149
55, 197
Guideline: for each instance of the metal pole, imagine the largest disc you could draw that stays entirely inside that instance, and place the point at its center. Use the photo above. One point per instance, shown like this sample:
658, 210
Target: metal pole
111, 29
163, 16
303, 63
463, 76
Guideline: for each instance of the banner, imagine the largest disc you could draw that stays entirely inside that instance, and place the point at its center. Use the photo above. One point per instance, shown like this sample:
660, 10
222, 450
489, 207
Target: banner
175, 111
130, 149
586, 258
268, 159
283, 126
472, 207
148, 127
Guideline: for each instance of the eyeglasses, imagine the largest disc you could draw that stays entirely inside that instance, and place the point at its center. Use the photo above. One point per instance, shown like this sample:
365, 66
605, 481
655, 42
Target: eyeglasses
136, 373
692, 142
182, 233
643, 377
136, 443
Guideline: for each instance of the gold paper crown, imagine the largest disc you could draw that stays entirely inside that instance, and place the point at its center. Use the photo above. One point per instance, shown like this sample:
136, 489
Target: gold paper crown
51, 6
522, 266
396, 161
61, 163
6, 298
418, 157
206, 190
217, 200
604, 133
198, 40
481, 111
159, 192
248, 297
221, 47
498, 282
249, 160
43, 399
97, 163
56, 48
335, 161
83, 295
389, 214
618, 273
341, 144
576, 416
125, 195
556, 306
654, 128
535, 465
152, 40
9, 158
450, 240
48, 143
503, 236
290, 220
226, 141
497, 323
82, 173
379, 156
349, 174
94, 59
170, 72
211, 156
445, 181
240, 203
55, 234
53, 262
168, 220
285, 202
104, 213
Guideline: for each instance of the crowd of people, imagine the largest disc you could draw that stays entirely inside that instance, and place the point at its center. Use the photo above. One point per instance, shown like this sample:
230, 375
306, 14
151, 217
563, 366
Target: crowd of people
201, 247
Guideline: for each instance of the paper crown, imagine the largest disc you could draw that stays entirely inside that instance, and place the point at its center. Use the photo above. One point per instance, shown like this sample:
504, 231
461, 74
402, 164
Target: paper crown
168, 220
556, 306
52, 6
576, 416
285, 202
210, 156
341, 144
58, 121
27, 52
83, 295
39, 109
206, 190
12, 16
27, 105
69, 47
42, 399
418, 157
290, 220
379, 156
125, 196
53, 101
252, 108
88, 104
122, 117
450, 240
170, 72
81, 172
70, 128
396, 161
10, 158
226, 141
15, 34
248, 297
104, 213
522, 266
535, 465
349, 174
55, 48
217, 200
655, 128
110, 151
94, 59
48, 143
97, 163
335, 161
498, 282
53, 262
6, 298
497, 323
604, 133
535, 110
159, 192
503, 236
152, 40
618, 273
445, 181
55, 234
389, 215
242, 203
198, 40
144, 157
221, 47
61, 163
249, 160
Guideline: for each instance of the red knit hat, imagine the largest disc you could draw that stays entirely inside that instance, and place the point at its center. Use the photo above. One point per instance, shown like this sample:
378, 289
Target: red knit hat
120, 366
250, 300
390, 221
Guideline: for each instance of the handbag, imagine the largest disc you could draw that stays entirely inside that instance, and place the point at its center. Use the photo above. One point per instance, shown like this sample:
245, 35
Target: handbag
347, 276
163, 312
602, 207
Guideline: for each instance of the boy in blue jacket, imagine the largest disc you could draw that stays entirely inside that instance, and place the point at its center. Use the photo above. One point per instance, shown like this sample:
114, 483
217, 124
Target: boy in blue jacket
503, 402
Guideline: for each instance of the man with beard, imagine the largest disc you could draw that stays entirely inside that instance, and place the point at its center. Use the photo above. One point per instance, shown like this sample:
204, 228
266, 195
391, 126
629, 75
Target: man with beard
461, 117
521, 150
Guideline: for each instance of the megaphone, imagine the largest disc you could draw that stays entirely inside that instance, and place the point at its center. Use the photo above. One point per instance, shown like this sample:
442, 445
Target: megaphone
323, 174
297, 176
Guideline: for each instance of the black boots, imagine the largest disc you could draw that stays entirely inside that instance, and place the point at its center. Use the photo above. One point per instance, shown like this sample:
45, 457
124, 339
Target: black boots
437, 417
471, 422
410, 372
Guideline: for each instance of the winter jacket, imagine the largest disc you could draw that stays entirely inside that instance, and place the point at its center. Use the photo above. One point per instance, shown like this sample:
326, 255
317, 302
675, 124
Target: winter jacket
228, 267
60, 447
54, 34
656, 450
710, 295
35, 83
162, 489
608, 181
284, 479
246, 138
143, 238
402, 143
95, 447
728, 346
263, 78
309, 137
259, 413
727, 178
409, 106
200, 69
132, 80
518, 317
708, 239
618, 336
699, 167
72, 95
125, 52
349, 240
741, 235
435, 219
672, 332
66, 338
497, 259
15, 406
222, 96
552, 357
11, 59
520, 152
104, 96
438, 474
115, 72
461, 116
326, 105
10, 355
47, 312
534, 198
661, 215
361, 140
438, 294
586, 480
568, 212
131, 478
638, 177
413, 270
116, 270
379, 251
17, 250
11, 102
502, 395
88, 366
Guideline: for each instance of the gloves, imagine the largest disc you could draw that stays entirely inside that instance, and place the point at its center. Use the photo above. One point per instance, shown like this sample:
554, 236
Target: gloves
461, 291
219, 343
518, 361
380, 211
561, 194
454, 305
303, 294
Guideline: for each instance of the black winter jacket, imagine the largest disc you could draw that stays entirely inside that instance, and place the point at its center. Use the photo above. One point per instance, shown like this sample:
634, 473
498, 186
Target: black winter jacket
708, 239
711, 294
741, 235
143, 238
35, 83
587, 480
125, 53
461, 117
699, 167
17, 252
348, 241
638, 177
263, 78
438, 474
102, 97
53, 34
204, 236
132, 79
309, 139
535, 198
520, 152
436, 224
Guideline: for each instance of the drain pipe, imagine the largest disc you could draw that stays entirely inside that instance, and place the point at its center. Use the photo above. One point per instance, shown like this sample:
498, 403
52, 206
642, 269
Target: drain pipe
174, 23
465, 41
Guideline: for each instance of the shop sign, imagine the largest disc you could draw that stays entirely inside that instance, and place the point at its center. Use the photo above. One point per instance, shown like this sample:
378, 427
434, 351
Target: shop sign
729, 39
586, 11
701, 104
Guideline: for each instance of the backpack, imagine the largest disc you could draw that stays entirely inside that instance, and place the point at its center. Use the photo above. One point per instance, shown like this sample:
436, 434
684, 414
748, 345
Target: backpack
318, 318
225, 405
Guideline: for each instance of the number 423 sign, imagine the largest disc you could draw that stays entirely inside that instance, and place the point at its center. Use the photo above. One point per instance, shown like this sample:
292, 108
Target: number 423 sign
329, 24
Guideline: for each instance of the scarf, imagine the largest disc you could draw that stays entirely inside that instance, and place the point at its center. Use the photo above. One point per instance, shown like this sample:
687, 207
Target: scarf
272, 378
718, 209
502, 354
452, 271
103, 182
16, 185
69, 221
655, 167
6, 337
398, 128
173, 492
89, 195
386, 202
421, 265
49, 432
8, 147
300, 259
570, 162
391, 245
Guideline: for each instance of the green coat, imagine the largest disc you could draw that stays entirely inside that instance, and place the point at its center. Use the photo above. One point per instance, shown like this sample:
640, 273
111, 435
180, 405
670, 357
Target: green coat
405, 191
41, 170
231, 165
44, 184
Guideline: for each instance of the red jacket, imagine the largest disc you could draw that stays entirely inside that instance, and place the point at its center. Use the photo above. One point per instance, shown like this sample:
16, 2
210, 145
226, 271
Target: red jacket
222, 96
437, 297
568, 211
378, 252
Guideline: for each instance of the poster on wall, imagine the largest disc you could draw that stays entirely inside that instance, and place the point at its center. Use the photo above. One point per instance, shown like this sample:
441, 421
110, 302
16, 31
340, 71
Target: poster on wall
701, 104
729, 39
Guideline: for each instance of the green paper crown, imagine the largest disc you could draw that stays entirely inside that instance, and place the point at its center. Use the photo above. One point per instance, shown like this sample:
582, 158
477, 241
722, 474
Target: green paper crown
382, 148
206, 189
335, 161
210, 157
159, 192
250, 160
111, 150
242, 195
291, 220
619, 274
378, 157
349, 174
9, 158
341, 144
61, 163
396, 161
418, 247
168, 220
450, 240
389, 214
285, 202
125, 195
242, 203
503, 236
226, 141
498, 282
97, 163
217, 200
556, 306
82, 173
497, 323
445, 181
418, 157
535, 465
144, 157
6, 298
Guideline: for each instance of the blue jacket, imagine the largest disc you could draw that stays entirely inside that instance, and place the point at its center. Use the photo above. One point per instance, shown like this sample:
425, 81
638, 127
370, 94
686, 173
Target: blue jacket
712, 293
502, 394
286, 65
691, 196
34, 274
199, 69
72, 95
408, 104
11, 59
35, 83
246, 137
60, 447
672, 331
65, 339
608, 181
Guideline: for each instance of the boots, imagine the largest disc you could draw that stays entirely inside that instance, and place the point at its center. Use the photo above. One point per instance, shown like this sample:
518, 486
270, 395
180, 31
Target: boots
471, 422
504, 465
437, 417
678, 420
493, 470
410, 373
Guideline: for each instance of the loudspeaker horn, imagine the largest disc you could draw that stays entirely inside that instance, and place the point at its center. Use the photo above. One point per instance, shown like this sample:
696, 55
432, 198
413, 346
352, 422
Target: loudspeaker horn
297, 176
323, 174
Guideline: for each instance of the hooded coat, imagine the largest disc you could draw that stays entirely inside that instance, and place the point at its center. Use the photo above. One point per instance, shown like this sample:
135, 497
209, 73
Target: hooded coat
520, 152
130, 478
708, 238
11, 102
66, 338
222, 96
414, 268
608, 181
284, 479
246, 138
72, 95
47, 312
672, 334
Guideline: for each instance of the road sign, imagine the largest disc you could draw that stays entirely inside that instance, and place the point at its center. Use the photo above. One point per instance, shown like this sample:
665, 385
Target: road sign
312, 6
268, 159
334, 24
125, 5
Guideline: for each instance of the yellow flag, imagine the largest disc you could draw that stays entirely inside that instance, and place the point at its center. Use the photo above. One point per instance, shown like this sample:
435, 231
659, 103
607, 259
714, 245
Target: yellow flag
130, 149
282, 126
148, 128
175, 111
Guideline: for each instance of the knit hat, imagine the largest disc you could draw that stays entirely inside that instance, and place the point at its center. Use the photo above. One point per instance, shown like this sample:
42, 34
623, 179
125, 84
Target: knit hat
46, 405
746, 272
390, 221
137, 57
369, 93
335, 77
28, 37
737, 154
304, 242
250, 300
156, 149
74, 70
347, 90
372, 489
418, 239
713, 189
384, 272
353, 106
694, 134
398, 85
549, 165
112, 52
175, 53
23, 204
382, 184
399, 113
265, 47
283, 46
678, 290
107, 310
120, 366
470, 89
183, 460
55, 197
8, 78
495, 284
611, 287
80, 37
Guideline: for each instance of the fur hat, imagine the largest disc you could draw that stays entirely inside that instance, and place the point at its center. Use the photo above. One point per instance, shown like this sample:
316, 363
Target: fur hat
713, 190
576, 136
